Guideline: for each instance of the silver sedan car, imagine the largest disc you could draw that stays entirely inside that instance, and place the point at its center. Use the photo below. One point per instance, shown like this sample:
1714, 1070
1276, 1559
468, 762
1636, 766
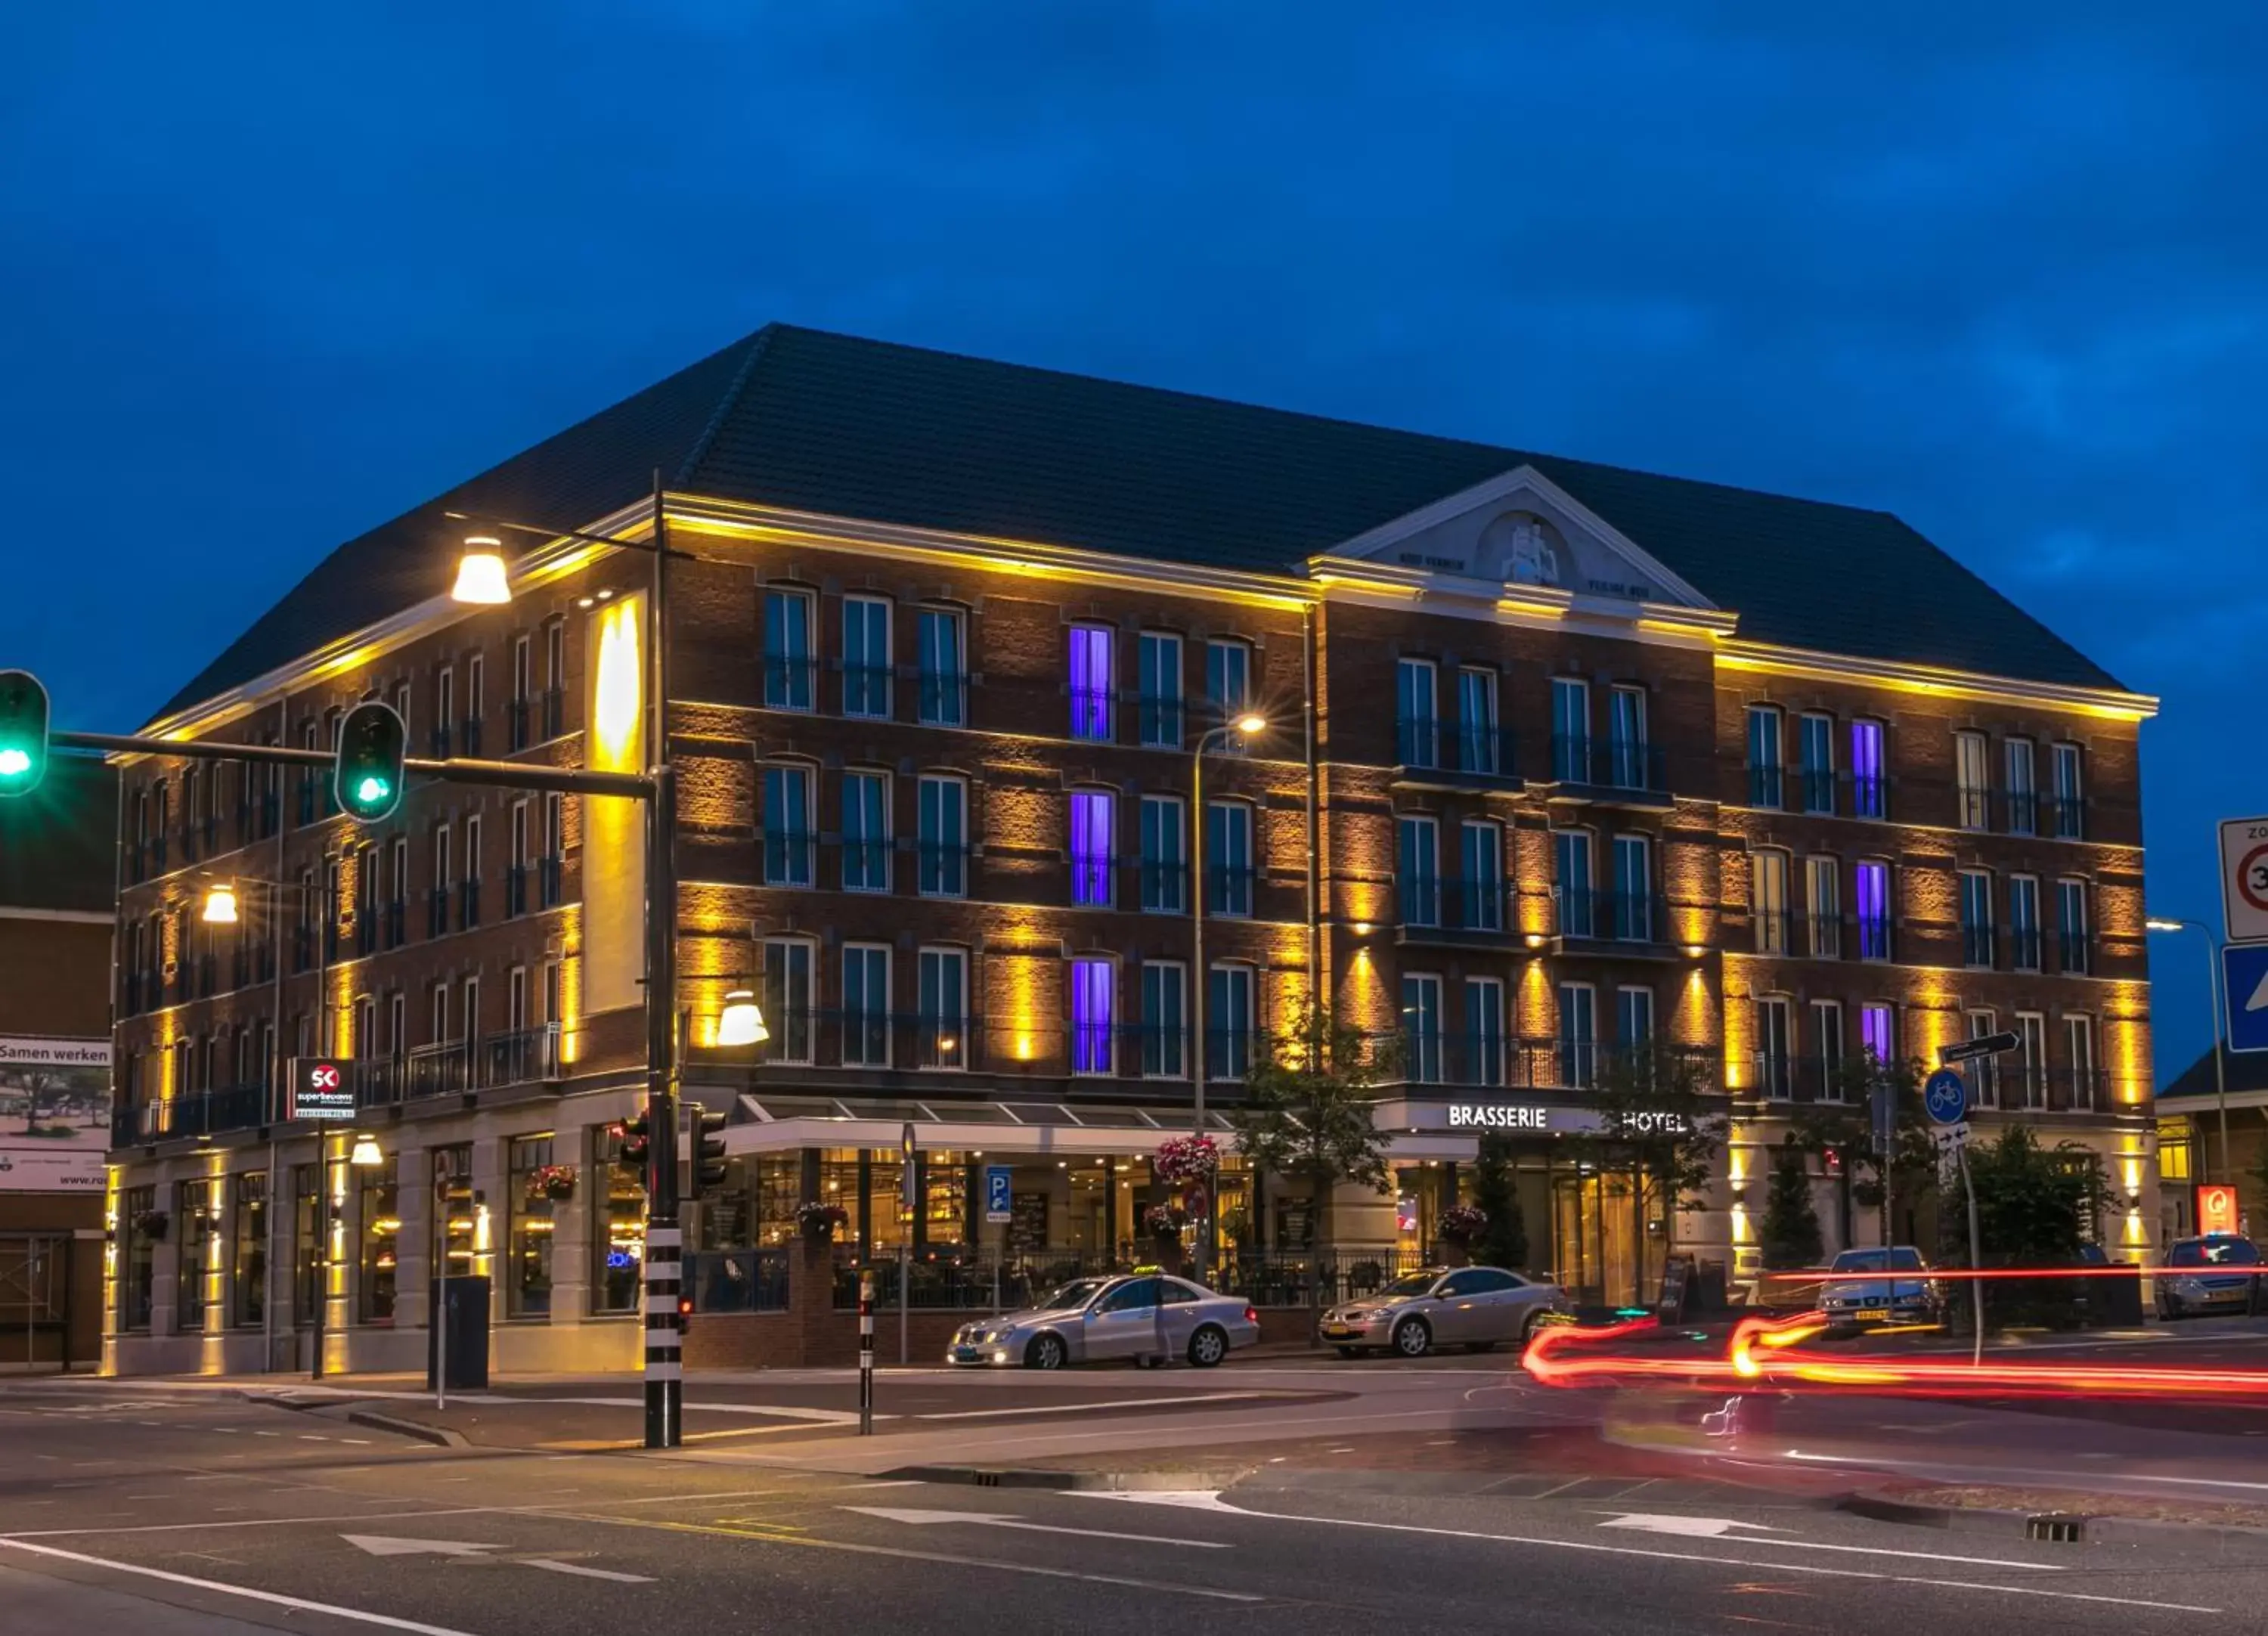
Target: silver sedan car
1150, 1317
1474, 1306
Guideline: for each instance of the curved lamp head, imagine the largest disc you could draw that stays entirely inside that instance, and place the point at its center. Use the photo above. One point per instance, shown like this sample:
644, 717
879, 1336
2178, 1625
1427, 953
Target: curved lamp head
2158, 923
741, 1023
365, 1153
480, 572
1250, 724
220, 905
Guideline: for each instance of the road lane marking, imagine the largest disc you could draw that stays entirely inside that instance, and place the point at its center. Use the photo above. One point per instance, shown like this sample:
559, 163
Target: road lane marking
903, 1554
272, 1598
392, 1545
994, 1519
571, 1568
1717, 1528
1211, 1500
1099, 1407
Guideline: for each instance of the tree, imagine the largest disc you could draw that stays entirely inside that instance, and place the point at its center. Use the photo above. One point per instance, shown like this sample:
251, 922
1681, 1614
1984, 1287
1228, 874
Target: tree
1662, 1122
1847, 1126
1307, 1112
1504, 1242
2036, 1207
1789, 1233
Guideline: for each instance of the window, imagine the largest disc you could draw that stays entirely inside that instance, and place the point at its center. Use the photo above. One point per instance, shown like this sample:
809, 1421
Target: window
468, 892
193, 1201
1093, 987
1091, 683
1877, 1032
437, 915
397, 1024
1765, 760
1633, 1018
1484, 1038
2074, 941
1229, 852
941, 1007
867, 673
379, 1211
1480, 746
942, 841
866, 832
1870, 793
554, 849
1768, 899
2069, 799
2032, 1030
468, 1003
1578, 1034
1228, 678
617, 1205
1421, 1027
1985, 1081
1416, 725
528, 1278
1230, 1019
1775, 1048
437, 1014
310, 1242
1418, 877
1827, 1039
1975, 918
1571, 730
1164, 1026
1627, 751
1815, 756
515, 874
1633, 904
865, 1005
787, 648
2078, 1050
1578, 903
944, 669
2023, 791
2024, 923
1870, 876
1823, 878
1159, 681
1972, 782
1092, 840
1480, 891
1164, 869
787, 825
787, 1005
555, 677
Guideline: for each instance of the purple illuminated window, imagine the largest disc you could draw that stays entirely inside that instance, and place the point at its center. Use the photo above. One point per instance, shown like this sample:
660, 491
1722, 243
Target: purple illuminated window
1872, 879
1869, 791
1875, 1031
1090, 846
1091, 989
1090, 683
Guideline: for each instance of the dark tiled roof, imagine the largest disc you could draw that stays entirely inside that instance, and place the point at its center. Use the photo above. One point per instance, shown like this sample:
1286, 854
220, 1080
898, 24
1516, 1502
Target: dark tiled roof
2245, 1070
864, 428
59, 844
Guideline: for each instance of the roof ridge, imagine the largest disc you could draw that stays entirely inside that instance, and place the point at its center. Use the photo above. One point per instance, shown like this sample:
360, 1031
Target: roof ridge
757, 345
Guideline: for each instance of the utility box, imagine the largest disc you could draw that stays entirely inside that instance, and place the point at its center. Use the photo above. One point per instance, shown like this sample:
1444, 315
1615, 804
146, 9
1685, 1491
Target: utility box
466, 1329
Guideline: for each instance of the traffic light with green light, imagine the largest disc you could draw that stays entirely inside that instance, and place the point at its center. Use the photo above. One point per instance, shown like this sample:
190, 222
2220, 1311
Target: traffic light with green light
23, 733
637, 1142
367, 776
708, 1151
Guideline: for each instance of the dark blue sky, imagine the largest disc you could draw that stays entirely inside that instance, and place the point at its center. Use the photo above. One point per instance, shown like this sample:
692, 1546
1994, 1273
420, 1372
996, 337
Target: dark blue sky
269, 276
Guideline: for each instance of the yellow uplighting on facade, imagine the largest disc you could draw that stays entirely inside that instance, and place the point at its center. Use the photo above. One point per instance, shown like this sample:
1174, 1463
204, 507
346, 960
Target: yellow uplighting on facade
481, 578
220, 905
614, 721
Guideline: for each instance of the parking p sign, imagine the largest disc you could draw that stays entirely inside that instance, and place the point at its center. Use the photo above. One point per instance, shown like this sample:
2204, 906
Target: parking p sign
996, 1210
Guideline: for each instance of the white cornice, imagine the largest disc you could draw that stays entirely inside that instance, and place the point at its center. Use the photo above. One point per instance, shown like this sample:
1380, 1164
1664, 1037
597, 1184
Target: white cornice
1737, 654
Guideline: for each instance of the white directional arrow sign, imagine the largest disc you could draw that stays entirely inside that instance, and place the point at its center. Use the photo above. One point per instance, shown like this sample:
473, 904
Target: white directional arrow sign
986, 1519
387, 1545
2259, 999
1689, 1527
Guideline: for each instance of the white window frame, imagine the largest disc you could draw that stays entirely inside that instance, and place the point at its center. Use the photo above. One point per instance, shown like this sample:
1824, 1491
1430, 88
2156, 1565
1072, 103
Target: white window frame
780, 1010
964, 860
1490, 1046
864, 950
878, 845
862, 599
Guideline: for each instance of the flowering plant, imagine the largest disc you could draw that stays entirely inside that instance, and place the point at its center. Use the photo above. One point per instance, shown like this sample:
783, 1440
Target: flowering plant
151, 1223
819, 1221
1462, 1224
1186, 1158
553, 1182
1163, 1220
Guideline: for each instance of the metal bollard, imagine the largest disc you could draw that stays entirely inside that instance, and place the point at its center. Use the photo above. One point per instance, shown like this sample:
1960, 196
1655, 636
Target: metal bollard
865, 1351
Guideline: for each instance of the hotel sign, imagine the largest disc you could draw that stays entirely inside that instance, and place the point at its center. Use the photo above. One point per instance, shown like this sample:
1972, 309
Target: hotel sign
1543, 1118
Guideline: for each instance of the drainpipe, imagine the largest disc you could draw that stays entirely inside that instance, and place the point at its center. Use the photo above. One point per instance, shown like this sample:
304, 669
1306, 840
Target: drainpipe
1314, 865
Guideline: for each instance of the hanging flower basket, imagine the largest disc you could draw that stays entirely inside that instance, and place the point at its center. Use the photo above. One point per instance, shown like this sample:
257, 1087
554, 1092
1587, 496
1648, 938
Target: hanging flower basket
1183, 1159
151, 1223
818, 1222
1462, 1225
556, 1183
1164, 1220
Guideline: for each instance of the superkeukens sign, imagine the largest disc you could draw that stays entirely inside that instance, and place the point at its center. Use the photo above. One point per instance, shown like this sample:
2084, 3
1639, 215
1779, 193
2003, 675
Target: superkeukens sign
320, 1089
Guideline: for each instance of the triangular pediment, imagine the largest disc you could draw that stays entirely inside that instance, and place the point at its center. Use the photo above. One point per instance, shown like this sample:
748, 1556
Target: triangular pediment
1521, 529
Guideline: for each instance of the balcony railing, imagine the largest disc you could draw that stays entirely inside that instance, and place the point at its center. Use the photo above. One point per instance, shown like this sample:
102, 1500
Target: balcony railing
307, 800
550, 884
202, 1113
1821, 936
468, 902
553, 711
1417, 742
944, 699
866, 690
1164, 886
2022, 807
941, 868
1159, 719
865, 865
1972, 807
2075, 954
1874, 941
302, 949
438, 739
1610, 767
1454, 910
518, 720
1767, 787
1228, 889
1485, 752
1976, 945
2024, 947
787, 857
1870, 795
366, 930
788, 681
515, 890
1777, 1078
2067, 817
436, 911
1815, 788
1612, 916
1092, 714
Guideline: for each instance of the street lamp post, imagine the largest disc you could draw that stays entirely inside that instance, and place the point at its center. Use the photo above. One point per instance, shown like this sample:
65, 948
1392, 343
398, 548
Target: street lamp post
2159, 923
1246, 726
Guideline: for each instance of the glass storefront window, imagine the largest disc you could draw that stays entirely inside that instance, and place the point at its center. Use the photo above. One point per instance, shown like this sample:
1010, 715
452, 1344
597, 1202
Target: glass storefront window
381, 1239
135, 1262
307, 1219
451, 1216
248, 1262
528, 1278
191, 1230
617, 1199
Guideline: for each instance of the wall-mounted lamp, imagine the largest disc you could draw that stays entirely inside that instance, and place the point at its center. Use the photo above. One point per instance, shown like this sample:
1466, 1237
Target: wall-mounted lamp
1694, 950
1362, 928
220, 905
364, 1152
1537, 940
741, 1022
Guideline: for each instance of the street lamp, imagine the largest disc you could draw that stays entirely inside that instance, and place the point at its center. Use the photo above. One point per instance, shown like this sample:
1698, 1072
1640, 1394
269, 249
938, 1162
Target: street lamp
1249, 725
741, 1022
2168, 924
481, 578
220, 905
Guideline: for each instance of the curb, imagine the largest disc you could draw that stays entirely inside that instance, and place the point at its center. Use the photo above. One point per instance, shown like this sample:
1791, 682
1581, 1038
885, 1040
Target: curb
1036, 1477
2072, 1527
439, 1436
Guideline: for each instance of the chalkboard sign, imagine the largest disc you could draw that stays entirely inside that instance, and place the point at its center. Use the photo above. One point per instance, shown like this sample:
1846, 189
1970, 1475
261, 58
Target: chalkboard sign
1027, 1221
1295, 1224
1677, 1286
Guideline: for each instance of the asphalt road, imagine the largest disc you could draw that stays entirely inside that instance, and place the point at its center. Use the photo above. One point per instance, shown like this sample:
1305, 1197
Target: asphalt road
134, 1510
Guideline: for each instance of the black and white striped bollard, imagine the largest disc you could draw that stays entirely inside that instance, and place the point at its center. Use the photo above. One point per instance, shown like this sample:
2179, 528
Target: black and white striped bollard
664, 1337
865, 1351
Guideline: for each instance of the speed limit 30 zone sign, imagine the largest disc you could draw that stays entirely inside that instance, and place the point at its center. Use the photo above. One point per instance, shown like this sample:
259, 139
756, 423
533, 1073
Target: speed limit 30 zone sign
2244, 878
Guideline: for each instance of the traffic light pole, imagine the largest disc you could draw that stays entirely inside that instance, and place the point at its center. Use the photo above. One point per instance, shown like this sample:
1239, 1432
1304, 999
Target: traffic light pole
664, 1380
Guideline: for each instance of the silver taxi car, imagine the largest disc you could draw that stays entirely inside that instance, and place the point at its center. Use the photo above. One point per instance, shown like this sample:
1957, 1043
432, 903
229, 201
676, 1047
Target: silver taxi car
1473, 1307
1147, 1316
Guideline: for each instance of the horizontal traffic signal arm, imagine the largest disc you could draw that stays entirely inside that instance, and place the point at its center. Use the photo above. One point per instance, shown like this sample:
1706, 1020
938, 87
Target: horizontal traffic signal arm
508, 774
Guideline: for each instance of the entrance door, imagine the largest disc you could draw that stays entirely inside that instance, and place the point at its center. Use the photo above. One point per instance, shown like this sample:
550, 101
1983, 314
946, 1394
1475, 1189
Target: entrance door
35, 1301
1599, 1242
